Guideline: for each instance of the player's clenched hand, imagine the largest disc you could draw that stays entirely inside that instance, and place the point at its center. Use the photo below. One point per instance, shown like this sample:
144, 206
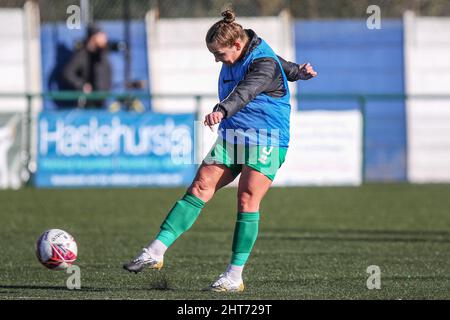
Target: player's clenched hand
307, 71
213, 118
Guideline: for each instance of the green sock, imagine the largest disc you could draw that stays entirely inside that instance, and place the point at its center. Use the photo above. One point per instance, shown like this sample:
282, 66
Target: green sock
180, 218
245, 234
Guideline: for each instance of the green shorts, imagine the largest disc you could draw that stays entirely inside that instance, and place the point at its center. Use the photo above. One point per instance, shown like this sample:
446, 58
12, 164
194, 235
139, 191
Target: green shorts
264, 159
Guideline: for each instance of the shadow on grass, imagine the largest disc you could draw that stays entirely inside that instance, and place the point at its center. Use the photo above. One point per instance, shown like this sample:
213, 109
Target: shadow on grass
161, 283
60, 288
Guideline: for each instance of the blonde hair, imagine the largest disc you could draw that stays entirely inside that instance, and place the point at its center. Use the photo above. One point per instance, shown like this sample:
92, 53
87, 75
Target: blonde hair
225, 32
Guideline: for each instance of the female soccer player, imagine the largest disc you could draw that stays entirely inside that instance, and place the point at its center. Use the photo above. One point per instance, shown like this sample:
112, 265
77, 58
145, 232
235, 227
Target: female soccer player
253, 113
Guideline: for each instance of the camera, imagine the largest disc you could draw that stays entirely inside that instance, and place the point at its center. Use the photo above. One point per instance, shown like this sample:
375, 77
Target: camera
117, 46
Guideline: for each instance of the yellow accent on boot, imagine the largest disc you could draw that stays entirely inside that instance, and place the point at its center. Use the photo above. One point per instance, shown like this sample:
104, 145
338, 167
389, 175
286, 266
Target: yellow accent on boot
158, 265
225, 289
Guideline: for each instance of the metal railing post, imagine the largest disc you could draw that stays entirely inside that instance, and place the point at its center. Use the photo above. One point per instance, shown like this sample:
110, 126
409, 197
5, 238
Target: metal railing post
27, 147
362, 106
198, 134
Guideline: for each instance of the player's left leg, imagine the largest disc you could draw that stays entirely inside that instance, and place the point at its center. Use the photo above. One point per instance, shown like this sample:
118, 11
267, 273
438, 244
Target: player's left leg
253, 185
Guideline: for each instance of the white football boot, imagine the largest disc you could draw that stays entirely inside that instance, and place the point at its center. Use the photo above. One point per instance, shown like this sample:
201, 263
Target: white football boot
225, 284
143, 261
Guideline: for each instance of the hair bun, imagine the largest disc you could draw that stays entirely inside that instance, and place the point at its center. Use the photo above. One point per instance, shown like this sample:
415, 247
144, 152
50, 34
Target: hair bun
228, 16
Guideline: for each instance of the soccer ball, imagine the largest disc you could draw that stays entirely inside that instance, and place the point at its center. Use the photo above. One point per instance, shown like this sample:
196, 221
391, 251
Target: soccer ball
56, 249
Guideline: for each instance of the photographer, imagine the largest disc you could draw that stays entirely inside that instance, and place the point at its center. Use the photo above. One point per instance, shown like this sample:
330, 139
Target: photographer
89, 68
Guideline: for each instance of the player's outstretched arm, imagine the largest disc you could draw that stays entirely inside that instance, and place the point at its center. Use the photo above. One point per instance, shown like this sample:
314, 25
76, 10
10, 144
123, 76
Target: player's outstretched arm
296, 72
259, 77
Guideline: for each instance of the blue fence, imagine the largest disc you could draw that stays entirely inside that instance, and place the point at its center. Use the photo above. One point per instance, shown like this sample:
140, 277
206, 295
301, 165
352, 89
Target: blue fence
349, 57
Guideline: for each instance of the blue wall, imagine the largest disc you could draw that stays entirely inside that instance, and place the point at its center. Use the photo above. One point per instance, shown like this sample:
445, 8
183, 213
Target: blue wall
57, 44
350, 58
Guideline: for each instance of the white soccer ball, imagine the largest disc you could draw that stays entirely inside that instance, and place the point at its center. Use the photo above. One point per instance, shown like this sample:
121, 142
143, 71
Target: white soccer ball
56, 249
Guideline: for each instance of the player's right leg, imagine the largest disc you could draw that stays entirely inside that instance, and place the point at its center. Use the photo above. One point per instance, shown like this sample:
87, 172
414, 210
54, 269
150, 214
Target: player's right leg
253, 185
209, 179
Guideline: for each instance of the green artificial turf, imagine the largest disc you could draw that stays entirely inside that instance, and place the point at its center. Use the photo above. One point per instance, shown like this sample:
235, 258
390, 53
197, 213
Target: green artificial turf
314, 243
